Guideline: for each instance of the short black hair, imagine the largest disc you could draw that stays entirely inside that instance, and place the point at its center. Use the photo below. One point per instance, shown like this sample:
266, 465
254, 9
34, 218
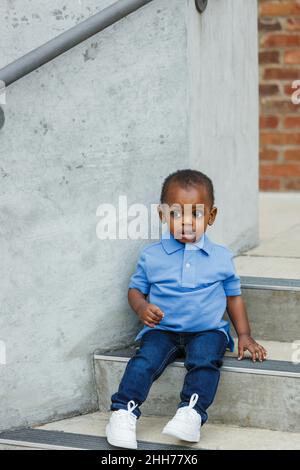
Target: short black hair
186, 178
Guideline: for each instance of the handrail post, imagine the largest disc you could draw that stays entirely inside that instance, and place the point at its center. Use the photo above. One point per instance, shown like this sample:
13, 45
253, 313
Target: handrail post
201, 5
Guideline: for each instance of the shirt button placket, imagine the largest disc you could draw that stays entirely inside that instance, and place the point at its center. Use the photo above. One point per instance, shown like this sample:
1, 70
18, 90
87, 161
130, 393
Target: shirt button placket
188, 269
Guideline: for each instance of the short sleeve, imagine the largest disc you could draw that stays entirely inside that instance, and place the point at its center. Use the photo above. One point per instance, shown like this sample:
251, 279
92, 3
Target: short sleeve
232, 283
139, 279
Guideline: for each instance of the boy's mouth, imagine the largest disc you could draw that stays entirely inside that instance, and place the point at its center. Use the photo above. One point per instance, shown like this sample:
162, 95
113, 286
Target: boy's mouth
186, 235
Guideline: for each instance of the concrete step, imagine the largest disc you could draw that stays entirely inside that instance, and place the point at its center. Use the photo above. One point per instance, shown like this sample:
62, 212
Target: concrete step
261, 395
273, 307
213, 436
276, 267
45, 439
15, 447
277, 351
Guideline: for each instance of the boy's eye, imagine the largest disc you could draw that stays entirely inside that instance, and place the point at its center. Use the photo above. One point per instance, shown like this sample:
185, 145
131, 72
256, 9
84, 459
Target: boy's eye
198, 214
176, 214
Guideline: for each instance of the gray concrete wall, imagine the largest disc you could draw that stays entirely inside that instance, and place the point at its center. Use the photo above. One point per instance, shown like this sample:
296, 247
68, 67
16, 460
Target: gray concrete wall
112, 117
223, 114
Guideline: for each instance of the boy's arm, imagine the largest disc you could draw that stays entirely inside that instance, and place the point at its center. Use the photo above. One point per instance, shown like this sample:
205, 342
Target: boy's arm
238, 315
138, 289
136, 299
149, 314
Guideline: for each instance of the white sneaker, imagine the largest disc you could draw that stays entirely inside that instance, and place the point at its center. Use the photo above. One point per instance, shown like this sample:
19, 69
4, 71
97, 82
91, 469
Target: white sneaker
121, 429
186, 423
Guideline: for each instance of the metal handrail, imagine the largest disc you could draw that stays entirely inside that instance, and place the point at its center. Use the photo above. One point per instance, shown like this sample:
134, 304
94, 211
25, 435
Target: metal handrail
67, 40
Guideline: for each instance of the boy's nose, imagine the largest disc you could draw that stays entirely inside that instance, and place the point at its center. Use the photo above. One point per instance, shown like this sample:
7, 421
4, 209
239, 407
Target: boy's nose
187, 228
187, 219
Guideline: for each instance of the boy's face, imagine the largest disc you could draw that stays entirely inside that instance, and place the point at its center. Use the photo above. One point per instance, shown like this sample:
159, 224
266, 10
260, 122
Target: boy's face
187, 212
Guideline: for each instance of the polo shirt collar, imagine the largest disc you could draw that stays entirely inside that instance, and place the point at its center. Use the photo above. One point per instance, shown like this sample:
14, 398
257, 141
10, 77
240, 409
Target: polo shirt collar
171, 244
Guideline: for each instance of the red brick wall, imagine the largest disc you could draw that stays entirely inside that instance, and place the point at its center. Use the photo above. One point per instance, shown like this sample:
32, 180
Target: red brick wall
279, 57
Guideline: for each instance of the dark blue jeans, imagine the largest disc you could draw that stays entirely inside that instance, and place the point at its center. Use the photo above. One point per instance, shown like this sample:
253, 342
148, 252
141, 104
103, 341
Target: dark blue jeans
203, 352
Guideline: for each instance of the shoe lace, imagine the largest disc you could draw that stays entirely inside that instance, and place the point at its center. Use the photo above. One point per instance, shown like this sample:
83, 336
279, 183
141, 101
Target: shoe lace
190, 408
126, 417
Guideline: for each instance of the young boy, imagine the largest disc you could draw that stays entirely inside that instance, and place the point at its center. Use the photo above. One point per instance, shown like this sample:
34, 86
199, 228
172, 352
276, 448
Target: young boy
190, 281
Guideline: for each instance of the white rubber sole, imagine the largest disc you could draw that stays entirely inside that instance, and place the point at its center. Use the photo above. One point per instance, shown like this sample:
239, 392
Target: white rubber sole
180, 434
119, 442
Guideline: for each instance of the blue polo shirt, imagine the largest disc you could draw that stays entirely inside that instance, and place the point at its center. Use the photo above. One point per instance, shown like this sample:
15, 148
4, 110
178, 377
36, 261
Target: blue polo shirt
188, 282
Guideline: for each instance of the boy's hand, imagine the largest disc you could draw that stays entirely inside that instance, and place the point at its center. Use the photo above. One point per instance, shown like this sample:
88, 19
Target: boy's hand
246, 342
150, 315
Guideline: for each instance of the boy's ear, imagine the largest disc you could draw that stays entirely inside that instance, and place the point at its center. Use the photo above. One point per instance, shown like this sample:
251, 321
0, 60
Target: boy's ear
212, 216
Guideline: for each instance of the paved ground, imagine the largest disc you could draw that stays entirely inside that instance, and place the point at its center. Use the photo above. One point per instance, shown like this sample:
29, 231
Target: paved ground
278, 254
